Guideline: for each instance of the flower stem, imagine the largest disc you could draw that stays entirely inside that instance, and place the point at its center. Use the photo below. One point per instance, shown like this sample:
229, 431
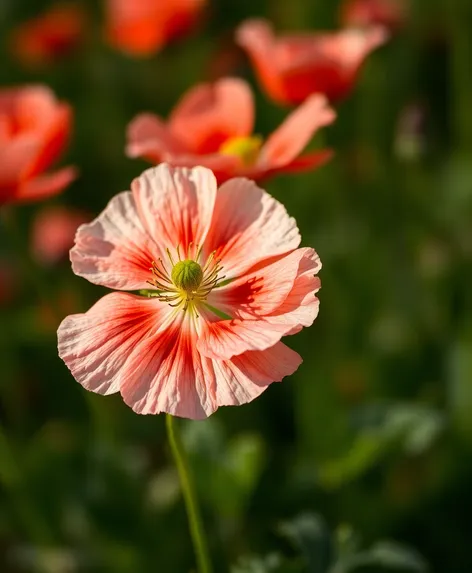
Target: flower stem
191, 503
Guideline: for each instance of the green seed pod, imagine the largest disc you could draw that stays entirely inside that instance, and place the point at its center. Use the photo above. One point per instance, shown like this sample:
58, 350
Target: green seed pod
187, 275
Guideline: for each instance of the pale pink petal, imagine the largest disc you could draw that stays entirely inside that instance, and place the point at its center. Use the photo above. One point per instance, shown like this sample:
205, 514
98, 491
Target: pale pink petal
175, 204
47, 185
169, 375
289, 140
262, 289
115, 250
248, 226
96, 345
301, 306
148, 137
244, 378
265, 304
209, 114
227, 338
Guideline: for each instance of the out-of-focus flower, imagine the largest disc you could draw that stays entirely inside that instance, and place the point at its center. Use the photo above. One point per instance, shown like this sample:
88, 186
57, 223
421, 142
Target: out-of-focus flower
212, 126
53, 233
291, 67
49, 37
34, 129
364, 13
224, 281
142, 27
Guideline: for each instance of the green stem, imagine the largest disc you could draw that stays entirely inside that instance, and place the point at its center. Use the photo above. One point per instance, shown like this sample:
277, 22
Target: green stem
191, 503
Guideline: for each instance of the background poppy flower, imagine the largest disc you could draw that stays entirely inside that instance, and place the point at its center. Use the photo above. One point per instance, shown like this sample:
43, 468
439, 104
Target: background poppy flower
53, 233
212, 125
226, 281
50, 36
291, 67
142, 27
34, 129
388, 13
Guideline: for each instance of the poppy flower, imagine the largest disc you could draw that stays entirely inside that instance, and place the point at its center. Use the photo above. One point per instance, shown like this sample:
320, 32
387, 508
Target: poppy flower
291, 67
34, 129
364, 13
53, 233
50, 36
224, 280
212, 125
142, 27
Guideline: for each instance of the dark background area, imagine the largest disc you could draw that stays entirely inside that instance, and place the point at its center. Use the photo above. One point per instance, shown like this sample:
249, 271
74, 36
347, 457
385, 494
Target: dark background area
374, 431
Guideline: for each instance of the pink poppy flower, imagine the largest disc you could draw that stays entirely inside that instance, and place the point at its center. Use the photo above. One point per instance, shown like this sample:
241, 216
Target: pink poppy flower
49, 37
142, 27
388, 13
53, 233
212, 125
291, 67
225, 281
34, 129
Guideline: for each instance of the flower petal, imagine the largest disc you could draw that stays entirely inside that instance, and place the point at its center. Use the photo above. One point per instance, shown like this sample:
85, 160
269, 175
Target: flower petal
265, 304
175, 204
96, 345
248, 226
115, 250
289, 140
149, 137
45, 185
301, 306
169, 375
209, 114
245, 377
257, 38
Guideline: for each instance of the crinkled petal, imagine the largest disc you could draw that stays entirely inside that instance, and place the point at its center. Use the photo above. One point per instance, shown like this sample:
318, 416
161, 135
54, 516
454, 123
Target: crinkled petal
301, 306
244, 378
115, 249
169, 375
209, 114
266, 304
96, 345
248, 226
289, 140
175, 204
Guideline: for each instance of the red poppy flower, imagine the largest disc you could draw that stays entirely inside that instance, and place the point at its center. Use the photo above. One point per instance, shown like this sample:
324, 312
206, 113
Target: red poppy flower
388, 13
54, 34
212, 125
34, 129
292, 67
142, 27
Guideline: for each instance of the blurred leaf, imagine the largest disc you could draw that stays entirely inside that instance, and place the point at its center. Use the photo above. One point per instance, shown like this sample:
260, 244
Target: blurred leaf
308, 533
227, 470
272, 563
407, 428
386, 555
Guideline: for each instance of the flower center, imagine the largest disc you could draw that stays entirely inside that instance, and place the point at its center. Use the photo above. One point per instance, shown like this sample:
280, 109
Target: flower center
188, 283
187, 275
246, 148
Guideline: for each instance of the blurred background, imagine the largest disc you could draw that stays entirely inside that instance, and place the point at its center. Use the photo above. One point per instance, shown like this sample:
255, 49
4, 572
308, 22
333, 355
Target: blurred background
362, 460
